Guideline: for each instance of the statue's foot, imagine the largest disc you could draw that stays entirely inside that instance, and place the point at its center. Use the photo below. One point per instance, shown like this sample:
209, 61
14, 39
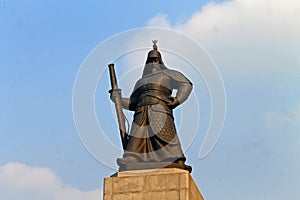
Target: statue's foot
126, 160
183, 165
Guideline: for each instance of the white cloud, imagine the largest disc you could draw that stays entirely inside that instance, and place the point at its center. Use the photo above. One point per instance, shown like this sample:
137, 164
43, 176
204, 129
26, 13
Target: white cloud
247, 37
160, 20
289, 118
259, 40
19, 181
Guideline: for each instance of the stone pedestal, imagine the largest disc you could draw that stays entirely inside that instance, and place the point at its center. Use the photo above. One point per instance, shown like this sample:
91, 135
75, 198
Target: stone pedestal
161, 184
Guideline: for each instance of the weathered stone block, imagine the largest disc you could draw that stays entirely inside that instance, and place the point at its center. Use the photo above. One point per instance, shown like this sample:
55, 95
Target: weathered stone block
162, 184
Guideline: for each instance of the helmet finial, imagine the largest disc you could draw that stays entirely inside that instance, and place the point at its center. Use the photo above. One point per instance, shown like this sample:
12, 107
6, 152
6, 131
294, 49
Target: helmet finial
154, 44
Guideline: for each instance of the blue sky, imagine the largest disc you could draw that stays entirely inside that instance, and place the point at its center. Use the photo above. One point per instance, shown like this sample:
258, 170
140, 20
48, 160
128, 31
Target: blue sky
255, 45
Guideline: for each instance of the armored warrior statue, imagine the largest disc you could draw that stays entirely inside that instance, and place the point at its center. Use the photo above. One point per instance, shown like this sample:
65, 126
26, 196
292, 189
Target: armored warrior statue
153, 137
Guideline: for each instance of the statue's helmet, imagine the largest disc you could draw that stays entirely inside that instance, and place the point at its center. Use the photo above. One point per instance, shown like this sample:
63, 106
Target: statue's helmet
154, 54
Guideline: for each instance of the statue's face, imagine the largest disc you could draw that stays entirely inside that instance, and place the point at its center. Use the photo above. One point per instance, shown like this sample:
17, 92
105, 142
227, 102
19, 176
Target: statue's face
153, 64
153, 60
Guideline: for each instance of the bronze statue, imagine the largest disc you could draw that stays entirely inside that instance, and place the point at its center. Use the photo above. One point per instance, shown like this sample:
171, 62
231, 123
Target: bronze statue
153, 140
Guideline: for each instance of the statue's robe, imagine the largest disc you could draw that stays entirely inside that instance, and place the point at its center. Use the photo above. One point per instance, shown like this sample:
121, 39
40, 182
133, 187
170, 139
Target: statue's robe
153, 136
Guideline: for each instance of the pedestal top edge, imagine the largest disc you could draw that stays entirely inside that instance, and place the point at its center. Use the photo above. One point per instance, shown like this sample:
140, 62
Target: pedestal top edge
147, 172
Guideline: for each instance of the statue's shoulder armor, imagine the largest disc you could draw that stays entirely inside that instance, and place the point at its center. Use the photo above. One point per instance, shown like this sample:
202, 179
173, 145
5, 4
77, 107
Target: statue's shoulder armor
176, 76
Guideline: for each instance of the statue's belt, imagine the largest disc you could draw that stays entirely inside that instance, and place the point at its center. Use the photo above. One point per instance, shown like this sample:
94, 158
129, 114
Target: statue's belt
152, 87
151, 94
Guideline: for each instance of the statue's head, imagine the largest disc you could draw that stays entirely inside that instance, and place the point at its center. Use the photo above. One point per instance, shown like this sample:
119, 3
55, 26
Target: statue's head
154, 61
154, 54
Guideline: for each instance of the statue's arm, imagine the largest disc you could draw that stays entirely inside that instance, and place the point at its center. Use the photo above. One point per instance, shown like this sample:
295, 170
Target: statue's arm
184, 90
183, 85
125, 102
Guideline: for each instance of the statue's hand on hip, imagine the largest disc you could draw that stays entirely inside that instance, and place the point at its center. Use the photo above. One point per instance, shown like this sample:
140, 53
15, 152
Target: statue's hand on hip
173, 103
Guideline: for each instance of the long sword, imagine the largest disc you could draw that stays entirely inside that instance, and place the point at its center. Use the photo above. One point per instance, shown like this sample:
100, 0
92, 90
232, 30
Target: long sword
118, 106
